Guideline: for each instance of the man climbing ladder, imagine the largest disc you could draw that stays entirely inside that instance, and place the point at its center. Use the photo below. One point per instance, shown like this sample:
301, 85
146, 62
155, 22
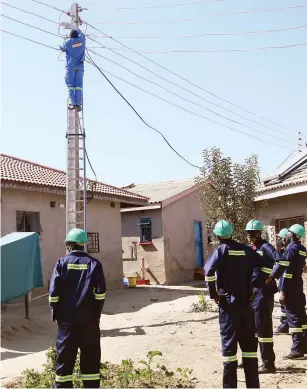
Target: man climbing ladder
74, 48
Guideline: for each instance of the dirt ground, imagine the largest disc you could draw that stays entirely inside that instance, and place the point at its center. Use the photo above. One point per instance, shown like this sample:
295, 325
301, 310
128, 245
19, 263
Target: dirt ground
136, 321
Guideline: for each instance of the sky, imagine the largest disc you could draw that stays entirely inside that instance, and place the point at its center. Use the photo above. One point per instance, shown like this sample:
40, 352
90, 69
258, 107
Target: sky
269, 83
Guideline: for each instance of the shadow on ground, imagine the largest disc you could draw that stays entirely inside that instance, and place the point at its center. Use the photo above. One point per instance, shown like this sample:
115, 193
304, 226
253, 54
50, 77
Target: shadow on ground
140, 330
134, 299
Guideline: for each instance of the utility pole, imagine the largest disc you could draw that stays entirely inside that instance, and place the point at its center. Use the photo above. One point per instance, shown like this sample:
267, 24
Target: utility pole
76, 159
299, 144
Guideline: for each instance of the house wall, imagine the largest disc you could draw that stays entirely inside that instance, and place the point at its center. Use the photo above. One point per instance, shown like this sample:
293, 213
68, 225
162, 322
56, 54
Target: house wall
102, 218
179, 243
283, 207
153, 254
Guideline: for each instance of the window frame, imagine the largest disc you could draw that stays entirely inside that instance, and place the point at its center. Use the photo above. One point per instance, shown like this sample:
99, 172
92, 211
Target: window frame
145, 223
93, 243
279, 226
28, 228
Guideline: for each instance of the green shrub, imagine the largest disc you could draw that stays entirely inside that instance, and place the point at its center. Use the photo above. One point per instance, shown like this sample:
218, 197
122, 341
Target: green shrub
204, 304
124, 375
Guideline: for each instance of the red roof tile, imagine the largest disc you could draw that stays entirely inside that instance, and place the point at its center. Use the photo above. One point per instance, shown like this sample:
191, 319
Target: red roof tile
25, 173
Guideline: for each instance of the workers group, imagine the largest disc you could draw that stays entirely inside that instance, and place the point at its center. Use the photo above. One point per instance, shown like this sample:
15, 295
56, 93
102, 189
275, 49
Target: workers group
242, 280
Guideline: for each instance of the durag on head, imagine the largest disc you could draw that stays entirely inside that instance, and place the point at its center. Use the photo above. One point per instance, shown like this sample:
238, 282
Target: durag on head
74, 34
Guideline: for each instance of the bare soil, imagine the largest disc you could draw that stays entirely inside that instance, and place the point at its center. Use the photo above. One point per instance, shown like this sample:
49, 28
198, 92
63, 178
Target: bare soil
136, 321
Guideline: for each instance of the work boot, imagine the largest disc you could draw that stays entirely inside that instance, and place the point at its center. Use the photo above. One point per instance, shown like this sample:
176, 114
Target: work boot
78, 108
267, 369
294, 356
70, 106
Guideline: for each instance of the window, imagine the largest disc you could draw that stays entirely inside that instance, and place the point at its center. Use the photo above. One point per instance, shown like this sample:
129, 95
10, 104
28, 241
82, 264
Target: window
28, 222
93, 242
287, 223
145, 230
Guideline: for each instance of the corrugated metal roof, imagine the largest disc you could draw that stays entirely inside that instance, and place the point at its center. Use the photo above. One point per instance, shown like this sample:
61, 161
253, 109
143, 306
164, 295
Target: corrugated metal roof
160, 191
284, 179
15, 170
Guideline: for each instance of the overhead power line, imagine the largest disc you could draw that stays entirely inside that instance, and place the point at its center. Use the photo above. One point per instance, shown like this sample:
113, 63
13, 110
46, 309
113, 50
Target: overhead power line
47, 5
139, 116
178, 75
186, 80
30, 13
193, 113
30, 25
30, 40
208, 51
188, 100
191, 92
207, 34
210, 15
163, 5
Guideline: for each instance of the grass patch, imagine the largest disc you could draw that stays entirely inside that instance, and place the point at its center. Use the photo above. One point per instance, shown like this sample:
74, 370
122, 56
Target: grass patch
147, 373
204, 304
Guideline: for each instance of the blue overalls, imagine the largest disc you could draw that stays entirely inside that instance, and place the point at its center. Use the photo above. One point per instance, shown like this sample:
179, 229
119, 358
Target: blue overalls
230, 266
283, 326
75, 54
291, 284
263, 302
76, 298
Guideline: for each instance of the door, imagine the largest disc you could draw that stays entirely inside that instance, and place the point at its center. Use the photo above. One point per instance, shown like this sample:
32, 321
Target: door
198, 238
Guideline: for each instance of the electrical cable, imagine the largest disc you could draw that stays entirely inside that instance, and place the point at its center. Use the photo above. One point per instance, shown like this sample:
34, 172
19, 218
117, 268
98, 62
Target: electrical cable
30, 25
208, 34
178, 75
209, 51
209, 15
139, 116
163, 5
178, 106
285, 160
185, 99
31, 40
188, 81
47, 5
188, 90
30, 13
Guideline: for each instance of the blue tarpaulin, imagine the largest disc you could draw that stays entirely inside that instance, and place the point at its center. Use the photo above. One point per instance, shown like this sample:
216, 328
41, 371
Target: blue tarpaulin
21, 268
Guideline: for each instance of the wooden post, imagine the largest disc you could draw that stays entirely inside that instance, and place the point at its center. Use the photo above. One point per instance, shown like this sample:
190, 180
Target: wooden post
143, 269
27, 306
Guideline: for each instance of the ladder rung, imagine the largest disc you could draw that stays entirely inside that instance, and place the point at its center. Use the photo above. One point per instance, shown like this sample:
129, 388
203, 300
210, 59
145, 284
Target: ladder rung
73, 159
75, 168
75, 211
75, 148
75, 190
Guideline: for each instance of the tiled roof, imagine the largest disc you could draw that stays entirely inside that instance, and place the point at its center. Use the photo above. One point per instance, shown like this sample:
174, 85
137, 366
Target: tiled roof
293, 174
25, 173
160, 191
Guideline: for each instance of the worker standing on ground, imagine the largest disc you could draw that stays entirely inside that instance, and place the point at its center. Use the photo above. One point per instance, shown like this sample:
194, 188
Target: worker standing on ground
281, 244
228, 272
76, 297
74, 47
292, 291
263, 301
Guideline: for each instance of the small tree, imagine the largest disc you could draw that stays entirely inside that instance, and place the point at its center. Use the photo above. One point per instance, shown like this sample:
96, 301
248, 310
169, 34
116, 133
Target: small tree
227, 190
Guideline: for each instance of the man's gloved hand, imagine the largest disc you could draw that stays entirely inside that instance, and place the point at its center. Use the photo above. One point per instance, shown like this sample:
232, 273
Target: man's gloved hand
269, 281
282, 298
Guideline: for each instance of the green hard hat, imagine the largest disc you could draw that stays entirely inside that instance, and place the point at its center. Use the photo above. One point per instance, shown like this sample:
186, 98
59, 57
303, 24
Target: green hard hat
223, 229
77, 235
283, 233
298, 230
254, 225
